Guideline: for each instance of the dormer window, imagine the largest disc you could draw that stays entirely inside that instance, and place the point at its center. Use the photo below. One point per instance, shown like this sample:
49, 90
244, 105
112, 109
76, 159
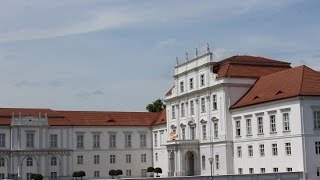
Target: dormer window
181, 86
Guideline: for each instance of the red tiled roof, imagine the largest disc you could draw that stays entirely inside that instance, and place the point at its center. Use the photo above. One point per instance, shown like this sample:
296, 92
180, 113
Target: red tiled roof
169, 92
248, 67
162, 119
298, 81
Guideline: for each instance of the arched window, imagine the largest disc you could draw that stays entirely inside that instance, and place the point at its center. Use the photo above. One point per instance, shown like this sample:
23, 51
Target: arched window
2, 162
53, 161
29, 161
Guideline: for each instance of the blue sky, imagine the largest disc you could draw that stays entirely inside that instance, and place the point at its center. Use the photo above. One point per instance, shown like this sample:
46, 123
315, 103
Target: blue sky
119, 55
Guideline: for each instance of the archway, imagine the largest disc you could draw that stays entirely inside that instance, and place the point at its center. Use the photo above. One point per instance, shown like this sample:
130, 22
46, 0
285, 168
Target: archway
190, 163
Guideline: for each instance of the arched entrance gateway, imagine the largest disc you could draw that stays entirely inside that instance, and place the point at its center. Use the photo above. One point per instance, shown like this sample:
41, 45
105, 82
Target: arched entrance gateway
189, 163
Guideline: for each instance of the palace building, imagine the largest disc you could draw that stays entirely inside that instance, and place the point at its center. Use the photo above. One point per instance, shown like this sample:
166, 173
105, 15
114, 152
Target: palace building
240, 115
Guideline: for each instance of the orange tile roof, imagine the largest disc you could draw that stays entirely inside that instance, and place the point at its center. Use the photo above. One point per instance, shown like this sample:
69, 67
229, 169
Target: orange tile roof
298, 81
248, 67
169, 92
162, 119
86, 118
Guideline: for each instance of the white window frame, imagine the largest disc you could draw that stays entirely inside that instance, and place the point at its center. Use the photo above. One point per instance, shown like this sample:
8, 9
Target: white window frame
112, 159
29, 161
286, 121
288, 148
96, 140
2, 140
260, 125
173, 112
96, 159
2, 162
204, 131
250, 151
30, 139
143, 140
191, 83
181, 86
80, 140
203, 162
239, 151
317, 147
203, 105
80, 159
274, 149
202, 80
53, 161
53, 140
128, 158
155, 139
217, 162
143, 158
273, 125
249, 127
128, 140
238, 128
214, 102
261, 150
192, 107
316, 119
182, 109
112, 140
192, 132
215, 130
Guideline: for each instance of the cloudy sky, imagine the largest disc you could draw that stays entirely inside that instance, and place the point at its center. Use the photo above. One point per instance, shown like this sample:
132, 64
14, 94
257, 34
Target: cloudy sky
119, 55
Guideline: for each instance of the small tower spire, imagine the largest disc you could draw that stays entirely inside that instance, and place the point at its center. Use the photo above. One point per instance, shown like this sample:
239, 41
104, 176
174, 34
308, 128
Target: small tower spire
208, 48
177, 60
187, 56
197, 52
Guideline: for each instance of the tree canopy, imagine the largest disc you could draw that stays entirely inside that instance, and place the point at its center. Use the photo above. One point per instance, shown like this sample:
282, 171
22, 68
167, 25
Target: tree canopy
156, 106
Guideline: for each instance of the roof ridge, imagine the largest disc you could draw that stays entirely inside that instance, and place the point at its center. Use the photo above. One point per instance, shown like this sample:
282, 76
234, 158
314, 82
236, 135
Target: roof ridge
231, 107
303, 68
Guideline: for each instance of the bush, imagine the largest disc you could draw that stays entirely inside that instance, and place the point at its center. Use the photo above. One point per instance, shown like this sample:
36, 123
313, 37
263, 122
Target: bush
150, 169
36, 176
158, 170
118, 172
112, 173
75, 174
81, 174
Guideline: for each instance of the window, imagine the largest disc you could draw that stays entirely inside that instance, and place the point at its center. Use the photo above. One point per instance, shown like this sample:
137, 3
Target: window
161, 138
128, 158
214, 102
53, 175
275, 169
128, 172
53, 161
274, 149
192, 107
250, 151
181, 86
96, 140
260, 125
183, 133
202, 80
28, 176
238, 128
96, 159
203, 160
203, 105
273, 127
96, 173
1, 175
112, 141
317, 145
173, 112
30, 140
191, 83
286, 122
217, 162
261, 148
249, 127
263, 170
156, 156
204, 131
112, 159
155, 139
143, 140
80, 141
182, 110
316, 119
2, 162
288, 148
29, 161
239, 151
318, 171
289, 169
143, 158
2, 140
53, 140
239, 170
127, 140
80, 159
215, 130
192, 132
251, 171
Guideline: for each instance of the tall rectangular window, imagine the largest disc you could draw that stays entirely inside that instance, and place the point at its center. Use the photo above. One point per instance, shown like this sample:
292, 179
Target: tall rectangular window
53, 140
238, 128
273, 127
249, 127
204, 131
29, 176
156, 156
79, 140
261, 149
203, 105
183, 133
239, 151
202, 80
80, 159
250, 151
260, 125
318, 171
192, 132
96, 159
286, 122
191, 83
53, 175
181, 86
215, 130
127, 140
274, 149
316, 119
112, 159
96, 174
203, 160
275, 170
239, 170
214, 102
143, 158
128, 172
182, 110
156, 139
262, 170
217, 162
143, 140
251, 171
96, 140
2, 175
289, 169
2, 140
128, 158
192, 107
30, 139
161, 138
173, 112
317, 146
288, 148
112, 141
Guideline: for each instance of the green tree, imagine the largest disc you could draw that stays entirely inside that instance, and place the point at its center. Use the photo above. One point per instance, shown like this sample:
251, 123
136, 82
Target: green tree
158, 170
82, 174
112, 173
75, 174
156, 106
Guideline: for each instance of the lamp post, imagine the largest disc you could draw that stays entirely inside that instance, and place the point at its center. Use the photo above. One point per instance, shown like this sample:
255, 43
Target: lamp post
211, 161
